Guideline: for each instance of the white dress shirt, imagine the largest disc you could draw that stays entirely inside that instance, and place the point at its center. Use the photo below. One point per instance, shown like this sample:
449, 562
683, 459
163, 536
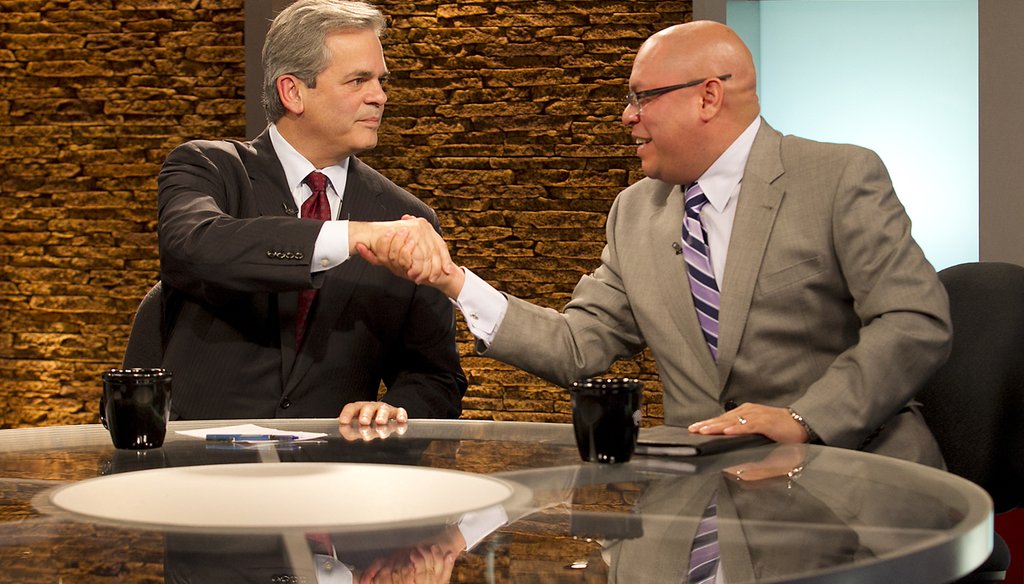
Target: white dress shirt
484, 307
474, 526
331, 248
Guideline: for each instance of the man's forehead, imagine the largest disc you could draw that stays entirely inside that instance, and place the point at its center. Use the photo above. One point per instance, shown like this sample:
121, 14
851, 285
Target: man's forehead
354, 37
358, 55
650, 67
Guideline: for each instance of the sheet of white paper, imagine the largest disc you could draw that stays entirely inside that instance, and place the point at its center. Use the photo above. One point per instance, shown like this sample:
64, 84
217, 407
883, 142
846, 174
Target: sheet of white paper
250, 429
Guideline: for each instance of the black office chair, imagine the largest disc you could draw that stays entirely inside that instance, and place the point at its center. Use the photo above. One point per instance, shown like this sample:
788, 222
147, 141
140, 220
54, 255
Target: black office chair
974, 404
145, 341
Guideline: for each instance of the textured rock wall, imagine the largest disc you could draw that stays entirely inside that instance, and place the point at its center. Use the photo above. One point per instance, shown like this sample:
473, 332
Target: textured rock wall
503, 115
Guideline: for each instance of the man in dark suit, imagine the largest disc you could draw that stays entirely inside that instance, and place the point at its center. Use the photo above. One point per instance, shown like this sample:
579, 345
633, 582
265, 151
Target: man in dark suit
248, 229
825, 316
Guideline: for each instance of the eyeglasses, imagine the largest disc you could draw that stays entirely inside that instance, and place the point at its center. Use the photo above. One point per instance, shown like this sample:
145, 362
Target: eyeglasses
637, 99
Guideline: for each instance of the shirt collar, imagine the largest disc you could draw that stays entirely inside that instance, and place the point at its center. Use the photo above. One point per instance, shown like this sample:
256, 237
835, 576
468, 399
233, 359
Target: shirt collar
297, 168
721, 181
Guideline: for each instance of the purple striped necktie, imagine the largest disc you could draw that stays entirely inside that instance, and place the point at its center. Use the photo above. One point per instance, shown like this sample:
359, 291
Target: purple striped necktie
698, 267
704, 552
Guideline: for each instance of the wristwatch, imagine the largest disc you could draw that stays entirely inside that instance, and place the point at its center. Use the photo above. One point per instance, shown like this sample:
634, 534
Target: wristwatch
812, 436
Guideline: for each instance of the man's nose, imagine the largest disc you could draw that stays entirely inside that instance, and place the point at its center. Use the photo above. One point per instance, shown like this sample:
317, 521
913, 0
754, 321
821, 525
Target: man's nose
630, 115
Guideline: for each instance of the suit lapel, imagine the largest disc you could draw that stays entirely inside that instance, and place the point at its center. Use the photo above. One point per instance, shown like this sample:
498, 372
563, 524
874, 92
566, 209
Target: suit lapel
757, 206
266, 175
273, 198
737, 563
667, 226
360, 202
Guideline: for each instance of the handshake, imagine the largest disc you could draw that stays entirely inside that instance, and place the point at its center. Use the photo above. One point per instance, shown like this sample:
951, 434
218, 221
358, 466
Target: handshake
410, 249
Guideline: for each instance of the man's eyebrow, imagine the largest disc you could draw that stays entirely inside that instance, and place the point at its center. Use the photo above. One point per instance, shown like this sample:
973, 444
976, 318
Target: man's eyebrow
365, 74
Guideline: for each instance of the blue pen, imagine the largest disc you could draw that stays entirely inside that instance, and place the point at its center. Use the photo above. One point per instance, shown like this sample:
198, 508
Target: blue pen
250, 437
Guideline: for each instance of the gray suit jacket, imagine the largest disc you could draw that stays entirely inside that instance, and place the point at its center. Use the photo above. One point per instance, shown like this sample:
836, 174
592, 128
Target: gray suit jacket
828, 304
232, 259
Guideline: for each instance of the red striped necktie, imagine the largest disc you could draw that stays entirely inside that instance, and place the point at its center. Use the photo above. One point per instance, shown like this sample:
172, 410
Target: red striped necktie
315, 207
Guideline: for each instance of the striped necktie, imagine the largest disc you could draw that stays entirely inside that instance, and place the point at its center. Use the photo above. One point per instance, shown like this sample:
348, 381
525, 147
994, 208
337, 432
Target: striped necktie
698, 267
315, 207
704, 552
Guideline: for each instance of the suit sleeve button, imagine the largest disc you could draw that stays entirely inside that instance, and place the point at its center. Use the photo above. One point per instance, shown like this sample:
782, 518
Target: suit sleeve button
286, 403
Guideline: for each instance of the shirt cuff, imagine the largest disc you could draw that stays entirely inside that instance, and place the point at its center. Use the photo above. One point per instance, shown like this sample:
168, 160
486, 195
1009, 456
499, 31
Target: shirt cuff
476, 525
483, 307
331, 248
330, 570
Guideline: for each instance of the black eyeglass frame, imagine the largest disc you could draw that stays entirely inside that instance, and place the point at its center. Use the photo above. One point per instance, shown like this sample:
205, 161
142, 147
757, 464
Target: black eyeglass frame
637, 98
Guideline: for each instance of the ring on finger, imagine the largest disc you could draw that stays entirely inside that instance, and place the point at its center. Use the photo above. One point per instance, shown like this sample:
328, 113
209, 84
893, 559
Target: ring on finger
742, 420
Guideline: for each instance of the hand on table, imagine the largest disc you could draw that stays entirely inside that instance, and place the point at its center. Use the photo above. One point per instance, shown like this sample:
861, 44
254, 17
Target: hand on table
369, 412
775, 423
785, 460
359, 433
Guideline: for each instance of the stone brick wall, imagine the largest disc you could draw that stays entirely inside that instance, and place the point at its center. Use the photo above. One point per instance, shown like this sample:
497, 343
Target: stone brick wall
503, 115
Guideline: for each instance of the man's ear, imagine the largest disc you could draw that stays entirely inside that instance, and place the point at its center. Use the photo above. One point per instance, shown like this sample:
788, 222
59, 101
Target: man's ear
290, 89
712, 98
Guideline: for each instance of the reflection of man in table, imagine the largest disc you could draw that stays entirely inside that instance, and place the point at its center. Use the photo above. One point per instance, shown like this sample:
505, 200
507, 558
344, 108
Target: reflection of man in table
312, 557
421, 553
781, 514
768, 526
267, 314
646, 514
816, 314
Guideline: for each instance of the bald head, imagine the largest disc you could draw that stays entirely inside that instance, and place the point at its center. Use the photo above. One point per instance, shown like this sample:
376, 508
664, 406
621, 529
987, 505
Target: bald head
704, 48
683, 132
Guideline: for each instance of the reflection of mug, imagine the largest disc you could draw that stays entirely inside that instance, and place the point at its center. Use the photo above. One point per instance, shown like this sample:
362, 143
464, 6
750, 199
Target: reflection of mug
136, 406
606, 418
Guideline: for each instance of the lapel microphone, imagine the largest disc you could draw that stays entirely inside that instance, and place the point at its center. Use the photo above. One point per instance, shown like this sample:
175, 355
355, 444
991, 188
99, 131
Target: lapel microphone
677, 247
289, 210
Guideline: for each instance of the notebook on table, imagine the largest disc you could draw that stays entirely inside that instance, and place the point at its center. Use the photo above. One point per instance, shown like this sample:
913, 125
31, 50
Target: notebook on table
678, 441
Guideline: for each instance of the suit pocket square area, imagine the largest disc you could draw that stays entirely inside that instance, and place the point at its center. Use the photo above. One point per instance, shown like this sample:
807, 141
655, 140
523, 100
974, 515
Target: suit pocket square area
779, 279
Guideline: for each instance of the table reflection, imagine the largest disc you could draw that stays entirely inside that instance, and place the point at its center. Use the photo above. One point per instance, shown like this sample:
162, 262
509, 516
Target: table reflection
784, 513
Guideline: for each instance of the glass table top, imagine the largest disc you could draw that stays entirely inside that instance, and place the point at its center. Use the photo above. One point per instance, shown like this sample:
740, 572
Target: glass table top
785, 513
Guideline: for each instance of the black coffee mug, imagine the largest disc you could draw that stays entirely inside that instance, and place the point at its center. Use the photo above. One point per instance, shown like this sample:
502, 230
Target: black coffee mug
135, 407
606, 418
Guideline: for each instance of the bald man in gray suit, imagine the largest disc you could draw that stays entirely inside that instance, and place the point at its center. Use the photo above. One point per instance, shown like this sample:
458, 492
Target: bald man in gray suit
830, 316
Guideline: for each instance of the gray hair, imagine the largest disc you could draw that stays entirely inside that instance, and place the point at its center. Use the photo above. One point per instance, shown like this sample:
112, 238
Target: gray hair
297, 42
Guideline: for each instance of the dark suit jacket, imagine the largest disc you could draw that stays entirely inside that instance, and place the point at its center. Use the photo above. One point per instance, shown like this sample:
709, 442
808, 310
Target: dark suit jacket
232, 259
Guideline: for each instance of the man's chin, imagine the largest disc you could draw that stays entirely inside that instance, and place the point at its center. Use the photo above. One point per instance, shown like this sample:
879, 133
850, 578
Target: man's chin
364, 146
650, 170
657, 172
